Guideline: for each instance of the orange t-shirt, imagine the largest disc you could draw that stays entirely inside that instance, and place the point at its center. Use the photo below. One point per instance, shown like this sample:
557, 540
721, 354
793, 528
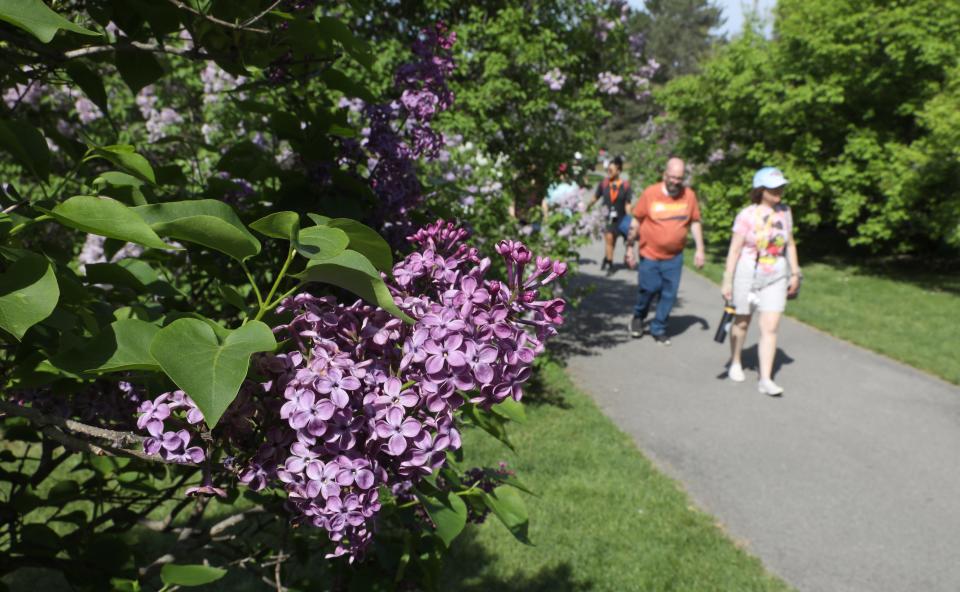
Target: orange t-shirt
664, 221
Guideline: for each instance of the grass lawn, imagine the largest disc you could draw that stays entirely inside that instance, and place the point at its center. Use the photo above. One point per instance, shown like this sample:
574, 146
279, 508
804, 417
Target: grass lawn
605, 518
911, 317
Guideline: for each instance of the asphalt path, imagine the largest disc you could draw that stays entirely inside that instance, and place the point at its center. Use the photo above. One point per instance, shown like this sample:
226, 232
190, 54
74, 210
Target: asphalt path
849, 482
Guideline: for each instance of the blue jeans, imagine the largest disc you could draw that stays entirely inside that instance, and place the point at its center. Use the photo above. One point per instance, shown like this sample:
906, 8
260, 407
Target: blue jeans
661, 277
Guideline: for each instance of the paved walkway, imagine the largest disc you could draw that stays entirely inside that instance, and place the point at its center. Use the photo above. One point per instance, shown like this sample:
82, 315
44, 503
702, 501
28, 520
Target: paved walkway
850, 482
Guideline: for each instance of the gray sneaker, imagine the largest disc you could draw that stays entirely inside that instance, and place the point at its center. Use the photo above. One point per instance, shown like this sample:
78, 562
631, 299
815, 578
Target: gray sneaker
636, 327
662, 339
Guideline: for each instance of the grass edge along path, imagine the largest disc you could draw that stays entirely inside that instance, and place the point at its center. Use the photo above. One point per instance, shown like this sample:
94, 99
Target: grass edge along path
605, 518
909, 320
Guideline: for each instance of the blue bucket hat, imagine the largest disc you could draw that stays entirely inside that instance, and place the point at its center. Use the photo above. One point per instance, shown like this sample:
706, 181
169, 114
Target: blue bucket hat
769, 177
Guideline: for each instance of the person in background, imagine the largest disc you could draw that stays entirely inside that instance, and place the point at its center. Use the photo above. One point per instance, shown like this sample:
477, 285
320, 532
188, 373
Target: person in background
762, 269
661, 218
558, 190
616, 195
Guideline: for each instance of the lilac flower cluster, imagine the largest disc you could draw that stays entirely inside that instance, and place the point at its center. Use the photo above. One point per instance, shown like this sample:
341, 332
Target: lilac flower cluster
555, 79
577, 221
24, 94
638, 43
159, 120
217, 81
604, 27
364, 400
87, 111
609, 83
649, 69
400, 132
172, 445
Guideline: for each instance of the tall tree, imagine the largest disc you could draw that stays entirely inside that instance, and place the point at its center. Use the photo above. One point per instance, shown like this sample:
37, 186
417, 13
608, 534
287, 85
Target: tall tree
856, 101
680, 33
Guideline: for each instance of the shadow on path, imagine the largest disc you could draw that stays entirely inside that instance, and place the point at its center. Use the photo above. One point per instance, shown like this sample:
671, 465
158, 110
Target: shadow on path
751, 361
601, 321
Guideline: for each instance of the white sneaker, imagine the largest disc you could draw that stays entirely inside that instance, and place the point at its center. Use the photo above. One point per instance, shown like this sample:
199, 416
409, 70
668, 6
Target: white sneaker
769, 387
735, 373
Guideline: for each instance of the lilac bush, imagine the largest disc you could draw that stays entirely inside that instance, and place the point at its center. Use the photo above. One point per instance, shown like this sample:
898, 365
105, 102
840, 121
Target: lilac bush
400, 133
364, 401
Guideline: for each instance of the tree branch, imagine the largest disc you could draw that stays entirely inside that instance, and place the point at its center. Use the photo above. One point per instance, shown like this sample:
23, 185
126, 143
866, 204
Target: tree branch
81, 445
117, 439
151, 47
223, 23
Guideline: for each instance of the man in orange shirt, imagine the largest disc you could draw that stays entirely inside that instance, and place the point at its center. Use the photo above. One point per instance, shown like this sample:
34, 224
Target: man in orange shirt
661, 218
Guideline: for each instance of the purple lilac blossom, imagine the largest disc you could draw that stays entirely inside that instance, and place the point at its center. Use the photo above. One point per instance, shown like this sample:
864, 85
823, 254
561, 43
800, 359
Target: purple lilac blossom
609, 83
365, 400
396, 147
24, 94
555, 79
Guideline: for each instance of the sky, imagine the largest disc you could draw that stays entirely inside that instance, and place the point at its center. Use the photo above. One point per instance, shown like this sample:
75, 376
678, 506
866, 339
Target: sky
733, 11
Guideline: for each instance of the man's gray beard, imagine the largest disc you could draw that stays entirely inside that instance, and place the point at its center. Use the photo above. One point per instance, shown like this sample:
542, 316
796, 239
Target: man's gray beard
675, 191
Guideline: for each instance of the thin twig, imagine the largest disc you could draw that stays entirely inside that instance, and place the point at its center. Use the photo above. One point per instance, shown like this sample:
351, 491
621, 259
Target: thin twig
186, 547
9, 209
213, 19
256, 18
233, 520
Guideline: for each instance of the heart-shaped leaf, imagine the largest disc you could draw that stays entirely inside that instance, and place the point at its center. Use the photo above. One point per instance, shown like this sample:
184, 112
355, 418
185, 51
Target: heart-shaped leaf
172, 574
352, 271
318, 219
367, 242
28, 294
36, 17
137, 68
134, 274
27, 146
283, 225
123, 156
118, 179
448, 512
321, 242
121, 346
207, 222
208, 367
89, 82
492, 423
107, 217
511, 409
510, 508
357, 48
232, 295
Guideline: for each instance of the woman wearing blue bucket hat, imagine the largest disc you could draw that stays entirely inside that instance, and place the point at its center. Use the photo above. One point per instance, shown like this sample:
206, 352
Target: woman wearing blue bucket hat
762, 272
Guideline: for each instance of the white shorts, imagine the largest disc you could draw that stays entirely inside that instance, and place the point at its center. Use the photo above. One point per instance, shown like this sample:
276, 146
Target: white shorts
770, 298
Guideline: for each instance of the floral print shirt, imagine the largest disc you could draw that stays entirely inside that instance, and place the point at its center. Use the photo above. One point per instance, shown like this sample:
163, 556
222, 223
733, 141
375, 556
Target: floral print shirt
765, 231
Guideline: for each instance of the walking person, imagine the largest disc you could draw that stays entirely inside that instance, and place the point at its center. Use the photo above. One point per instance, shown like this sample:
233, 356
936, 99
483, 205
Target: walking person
616, 195
762, 271
661, 219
